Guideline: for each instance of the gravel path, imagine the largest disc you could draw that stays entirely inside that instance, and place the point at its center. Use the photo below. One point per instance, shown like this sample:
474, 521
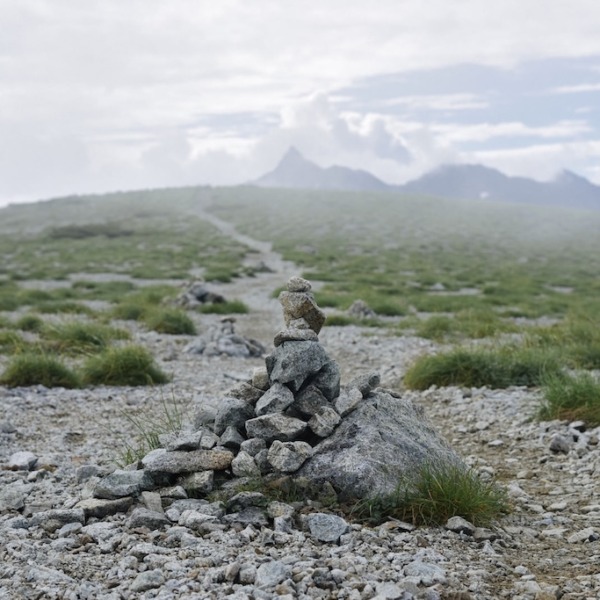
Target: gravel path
547, 548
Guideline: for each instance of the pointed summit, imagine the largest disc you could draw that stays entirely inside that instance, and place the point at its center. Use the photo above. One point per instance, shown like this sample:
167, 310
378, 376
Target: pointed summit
295, 171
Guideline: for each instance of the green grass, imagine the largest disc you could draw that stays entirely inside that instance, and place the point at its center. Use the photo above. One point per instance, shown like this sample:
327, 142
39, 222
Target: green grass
127, 366
149, 427
11, 342
64, 307
81, 338
30, 322
477, 367
26, 370
229, 307
170, 320
436, 494
571, 398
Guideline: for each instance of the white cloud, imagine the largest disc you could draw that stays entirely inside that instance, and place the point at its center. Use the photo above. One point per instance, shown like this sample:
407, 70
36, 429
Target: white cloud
576, 89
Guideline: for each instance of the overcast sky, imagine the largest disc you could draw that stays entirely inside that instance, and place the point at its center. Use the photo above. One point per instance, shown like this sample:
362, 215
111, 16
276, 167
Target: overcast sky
99, 95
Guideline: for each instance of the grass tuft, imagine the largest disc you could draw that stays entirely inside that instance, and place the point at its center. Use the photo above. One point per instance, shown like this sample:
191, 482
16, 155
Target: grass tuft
500, 368
81, 338
571, 398
127, 365
224, 308
38, 369
170, 320
437, 494
30, 323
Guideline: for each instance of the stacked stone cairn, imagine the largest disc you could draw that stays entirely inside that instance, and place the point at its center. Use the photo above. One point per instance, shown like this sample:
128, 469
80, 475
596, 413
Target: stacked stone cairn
290, 425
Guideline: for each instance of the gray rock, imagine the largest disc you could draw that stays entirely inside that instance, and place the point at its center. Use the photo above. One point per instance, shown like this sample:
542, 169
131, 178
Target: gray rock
381, 442
262, 461
309, 400
21, 461
176, 463
244, 465
13, 495
298, 284
148, 580
347, 401
199, 483
231, 438
294, 334
288, 457
365, 383
122, 483
232, 412
209, 440
588, 534
428, 573
86, 472
142, 517
51, 520
324, 421
194, 504
559, 445
276, 399
260, 378
152, 501
328, 380
271, 573
246, 391
294, 362
98, 508
176, 492
251, 515
302, 305
360, 309
245, 499
325, 527
7, 427
275, 427
460, 525
253, 446
187, 441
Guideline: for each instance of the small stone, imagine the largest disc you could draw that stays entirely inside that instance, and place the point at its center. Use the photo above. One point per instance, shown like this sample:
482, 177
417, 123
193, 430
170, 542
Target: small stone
460, 525
252, 515
293, 362
585, 535
293, 334
347, 401
209, 440
325, 527
98, 508
232, 412
279, 509
298, 284
243, 500
231, 438
389, 591
558, 444
199, 483
365, 383
287, 457
260, 378
22, 461
232, 570
152, 501
7, 427
324, 421
51, 520
142, 517
247, 574
187, 442
247, 392
578, 426
328, 380
86, 472
271, 573
302, 305
176, 492
309, 401
121, 483
276, 399
253, 446
148, 580
244, 465
275, 427
13, 495
427, 573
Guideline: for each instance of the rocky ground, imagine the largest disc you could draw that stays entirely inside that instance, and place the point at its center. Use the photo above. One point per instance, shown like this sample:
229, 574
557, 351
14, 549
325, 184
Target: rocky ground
547, 548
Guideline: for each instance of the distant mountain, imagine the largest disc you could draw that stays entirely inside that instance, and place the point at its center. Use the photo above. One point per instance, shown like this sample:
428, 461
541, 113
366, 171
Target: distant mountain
466, 182
295, 171
479, 182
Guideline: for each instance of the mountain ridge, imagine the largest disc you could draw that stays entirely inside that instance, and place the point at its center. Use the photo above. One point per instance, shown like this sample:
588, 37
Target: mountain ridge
452, 181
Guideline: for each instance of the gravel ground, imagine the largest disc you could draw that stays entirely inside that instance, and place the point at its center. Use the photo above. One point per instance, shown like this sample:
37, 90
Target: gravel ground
547, 548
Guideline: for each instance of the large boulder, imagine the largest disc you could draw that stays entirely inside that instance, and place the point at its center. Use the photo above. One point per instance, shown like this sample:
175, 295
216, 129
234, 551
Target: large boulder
384, 440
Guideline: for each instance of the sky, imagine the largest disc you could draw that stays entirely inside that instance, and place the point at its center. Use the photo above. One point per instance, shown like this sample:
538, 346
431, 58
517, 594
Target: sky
108, 95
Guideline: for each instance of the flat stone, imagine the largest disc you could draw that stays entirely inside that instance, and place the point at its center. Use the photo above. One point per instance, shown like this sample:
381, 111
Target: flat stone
294, 362
275, 427
246, 391
198, 484
231, 438
294, 334
324, 421
86, 472
187, 462
427, 573
232, 412
21, 461
460, 525
588, 534
122, 483
325, 527
243, 500
272, 573
253, 446
152, 501
177, 492
98, 508
51, 520
142, 517
187, 442
298, 284
148, 580
347, 401
260, 378
365, 383
276, 399
209, 440
288, 457
251, 515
